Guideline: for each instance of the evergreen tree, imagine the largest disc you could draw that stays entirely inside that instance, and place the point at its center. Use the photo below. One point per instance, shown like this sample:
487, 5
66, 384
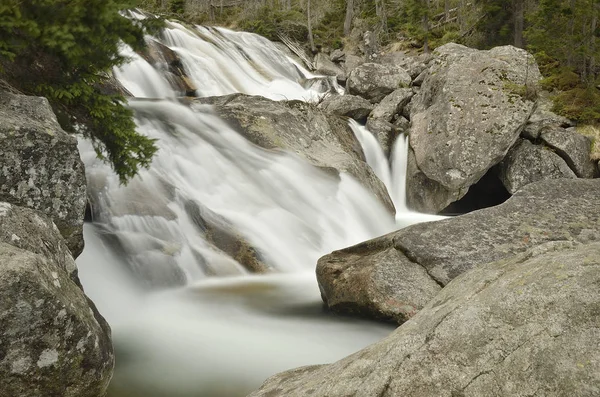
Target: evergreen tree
65, 50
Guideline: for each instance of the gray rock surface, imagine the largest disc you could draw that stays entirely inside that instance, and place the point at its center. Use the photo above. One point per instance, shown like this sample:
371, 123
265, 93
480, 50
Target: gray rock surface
551, 210
53, 342
523, 326
374, 81
414, 64
574, 148
468, 113
384, 131
392, 104
41, 168
543, 117
323, 65
337, 55
352, 62
526, 163
347, 105
326, 141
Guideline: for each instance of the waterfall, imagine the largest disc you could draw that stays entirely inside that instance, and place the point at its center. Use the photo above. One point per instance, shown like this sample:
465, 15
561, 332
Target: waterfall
187, 318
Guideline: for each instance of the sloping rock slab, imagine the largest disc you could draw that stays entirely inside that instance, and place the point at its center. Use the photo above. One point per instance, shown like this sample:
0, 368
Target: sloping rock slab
468, 114
524, 326
552, 210
323, 139
392, 104
41, 168
526, 163
347, 105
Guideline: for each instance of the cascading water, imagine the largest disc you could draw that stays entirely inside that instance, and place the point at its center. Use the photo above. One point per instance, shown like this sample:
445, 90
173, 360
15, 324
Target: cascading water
222, 331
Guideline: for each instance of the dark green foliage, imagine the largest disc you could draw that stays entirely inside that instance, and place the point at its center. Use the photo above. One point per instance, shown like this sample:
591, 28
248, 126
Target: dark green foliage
269, 21
65, 50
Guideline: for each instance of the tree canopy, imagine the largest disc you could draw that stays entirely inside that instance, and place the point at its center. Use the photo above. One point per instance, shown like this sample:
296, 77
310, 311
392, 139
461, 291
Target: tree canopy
65, 50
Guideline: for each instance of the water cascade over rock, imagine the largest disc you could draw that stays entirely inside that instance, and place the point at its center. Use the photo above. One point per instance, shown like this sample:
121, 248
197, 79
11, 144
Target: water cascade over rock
215, 207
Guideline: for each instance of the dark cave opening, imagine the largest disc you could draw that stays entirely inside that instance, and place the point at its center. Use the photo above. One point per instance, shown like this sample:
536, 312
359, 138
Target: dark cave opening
487, 192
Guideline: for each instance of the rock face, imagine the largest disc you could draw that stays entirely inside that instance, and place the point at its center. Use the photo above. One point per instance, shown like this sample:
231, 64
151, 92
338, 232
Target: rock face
326, 141
552, 210
470, 110
347, 105
374, 81
392, 104
525, 326
574, 148
527, 163
53, 342
41, 168
384, 131
323, 65
223, 235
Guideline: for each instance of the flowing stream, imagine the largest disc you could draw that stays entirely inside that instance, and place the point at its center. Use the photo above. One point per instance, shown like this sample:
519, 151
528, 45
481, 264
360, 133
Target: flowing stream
187, 319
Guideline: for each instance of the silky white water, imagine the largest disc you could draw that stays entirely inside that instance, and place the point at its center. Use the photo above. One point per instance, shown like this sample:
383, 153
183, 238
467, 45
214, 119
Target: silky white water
187, 319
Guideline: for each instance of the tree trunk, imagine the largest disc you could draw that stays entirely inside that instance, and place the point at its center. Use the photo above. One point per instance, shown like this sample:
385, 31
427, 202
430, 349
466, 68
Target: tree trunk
593, 51
349, 17
380, 12
310, 33
446, 10
519, 21
426, 27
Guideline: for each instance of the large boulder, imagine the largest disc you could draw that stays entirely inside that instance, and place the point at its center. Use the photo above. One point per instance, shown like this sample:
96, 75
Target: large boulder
358, 280
522, 326
374, 81
385, 133
347, 105
470, 110
526, 163
41, 168
53, 341
323, 139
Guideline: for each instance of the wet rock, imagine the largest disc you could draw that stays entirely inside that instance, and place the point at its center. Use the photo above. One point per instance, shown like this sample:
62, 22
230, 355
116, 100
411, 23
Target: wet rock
53, 341
324, 140
470, 110
374, 81
551, 210
572, 147
525, 325
384, 131
41, 168
223, 235
392, 104
347, 105
527, 163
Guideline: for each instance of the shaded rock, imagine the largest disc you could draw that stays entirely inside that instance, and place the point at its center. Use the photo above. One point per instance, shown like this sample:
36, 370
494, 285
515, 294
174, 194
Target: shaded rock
53, 341
574, 148
347, 105
552, 210
324, 140
223, 235
324, 66
414, 64
159, 53
374, 81
527, 163
41, 168
402, 124
384, 131
352, 62
594, 134
468, 113
374, 280
527, 325
392, 104
543, 117
337, 55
